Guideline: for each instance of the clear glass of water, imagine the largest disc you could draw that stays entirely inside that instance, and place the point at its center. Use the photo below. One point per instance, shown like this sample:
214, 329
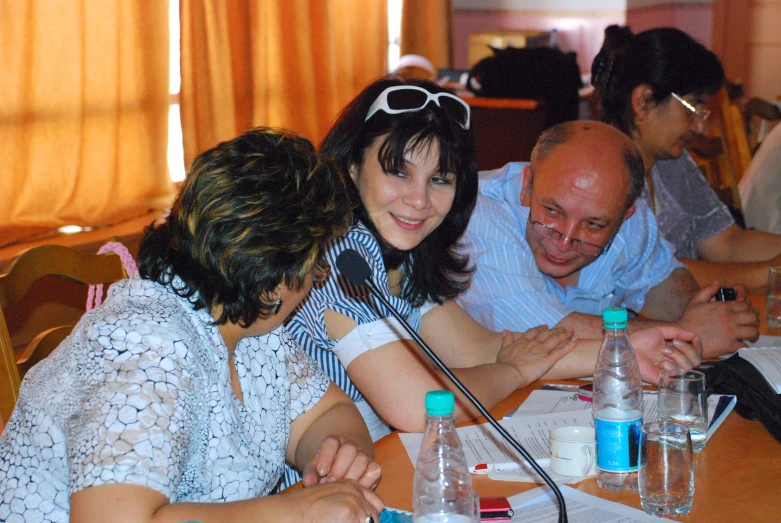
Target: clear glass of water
774, 298
666, 474
682, 399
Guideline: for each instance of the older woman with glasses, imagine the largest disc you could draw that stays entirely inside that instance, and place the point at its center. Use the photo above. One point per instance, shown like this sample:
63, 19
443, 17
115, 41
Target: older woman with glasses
152, 409
654, 86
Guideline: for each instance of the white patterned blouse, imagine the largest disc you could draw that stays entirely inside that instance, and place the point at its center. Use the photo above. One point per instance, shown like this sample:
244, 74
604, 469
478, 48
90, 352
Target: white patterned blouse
140, 393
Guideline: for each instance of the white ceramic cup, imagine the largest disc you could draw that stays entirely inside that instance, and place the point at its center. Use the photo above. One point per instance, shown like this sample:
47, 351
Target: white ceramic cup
572, 451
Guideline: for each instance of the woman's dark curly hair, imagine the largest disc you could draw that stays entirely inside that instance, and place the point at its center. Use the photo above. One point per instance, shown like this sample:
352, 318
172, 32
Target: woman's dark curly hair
666, 59
255, 211
434, 269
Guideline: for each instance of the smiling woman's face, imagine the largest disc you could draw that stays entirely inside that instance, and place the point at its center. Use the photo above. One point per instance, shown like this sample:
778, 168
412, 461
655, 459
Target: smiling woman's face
405, 207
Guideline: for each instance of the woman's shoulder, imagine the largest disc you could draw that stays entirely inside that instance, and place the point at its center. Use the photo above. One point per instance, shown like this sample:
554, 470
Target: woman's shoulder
360, 239
144, 313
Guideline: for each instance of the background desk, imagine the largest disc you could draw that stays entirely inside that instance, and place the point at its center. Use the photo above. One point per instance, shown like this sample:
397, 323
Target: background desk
737, 475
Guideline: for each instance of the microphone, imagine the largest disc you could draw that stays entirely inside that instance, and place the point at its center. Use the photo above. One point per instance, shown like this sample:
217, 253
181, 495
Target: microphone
357, 271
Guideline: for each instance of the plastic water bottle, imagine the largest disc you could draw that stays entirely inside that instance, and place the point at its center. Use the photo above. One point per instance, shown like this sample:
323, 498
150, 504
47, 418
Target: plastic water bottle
442, 491
617, 406
553, 42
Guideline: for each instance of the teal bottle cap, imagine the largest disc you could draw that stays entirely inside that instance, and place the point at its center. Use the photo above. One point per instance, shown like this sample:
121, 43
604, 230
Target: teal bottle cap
615, 318
440, 403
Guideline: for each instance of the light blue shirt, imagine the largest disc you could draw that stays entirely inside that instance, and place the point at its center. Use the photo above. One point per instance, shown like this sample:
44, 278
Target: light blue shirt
509, 292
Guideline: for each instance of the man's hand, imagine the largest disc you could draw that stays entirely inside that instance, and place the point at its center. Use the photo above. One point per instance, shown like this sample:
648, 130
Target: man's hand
722, 325
336, 460
665, 348
534, 352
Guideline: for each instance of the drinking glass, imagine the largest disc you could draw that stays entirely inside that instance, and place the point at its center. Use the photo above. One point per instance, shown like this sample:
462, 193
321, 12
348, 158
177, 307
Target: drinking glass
666, 474
682, 399
774, 298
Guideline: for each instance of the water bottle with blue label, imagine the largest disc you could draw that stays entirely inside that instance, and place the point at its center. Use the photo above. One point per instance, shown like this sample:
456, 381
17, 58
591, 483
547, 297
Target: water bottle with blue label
617, 406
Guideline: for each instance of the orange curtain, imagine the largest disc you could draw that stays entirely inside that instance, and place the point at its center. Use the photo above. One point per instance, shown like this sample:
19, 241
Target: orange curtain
83, 112
426, 29
283, 63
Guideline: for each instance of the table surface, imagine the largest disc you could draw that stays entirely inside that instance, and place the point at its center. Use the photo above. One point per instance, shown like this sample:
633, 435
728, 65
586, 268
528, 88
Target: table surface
737, 475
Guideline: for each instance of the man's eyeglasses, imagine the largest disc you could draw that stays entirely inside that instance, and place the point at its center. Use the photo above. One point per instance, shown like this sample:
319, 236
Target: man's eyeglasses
701, 114
589, 249
410, 98
320, 272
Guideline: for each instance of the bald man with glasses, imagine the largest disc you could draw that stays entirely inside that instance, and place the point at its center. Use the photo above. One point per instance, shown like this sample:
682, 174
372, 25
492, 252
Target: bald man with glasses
558, 240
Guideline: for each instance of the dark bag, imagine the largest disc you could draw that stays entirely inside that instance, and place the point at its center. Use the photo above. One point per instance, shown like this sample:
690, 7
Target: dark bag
536, 73
756, 399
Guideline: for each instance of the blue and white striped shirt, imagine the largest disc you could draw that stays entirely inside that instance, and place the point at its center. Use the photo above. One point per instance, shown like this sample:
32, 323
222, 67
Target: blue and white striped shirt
338, 294
509, 292
308, 327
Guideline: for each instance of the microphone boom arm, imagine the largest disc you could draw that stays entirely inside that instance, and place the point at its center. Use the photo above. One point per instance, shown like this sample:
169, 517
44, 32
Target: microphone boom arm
461, 387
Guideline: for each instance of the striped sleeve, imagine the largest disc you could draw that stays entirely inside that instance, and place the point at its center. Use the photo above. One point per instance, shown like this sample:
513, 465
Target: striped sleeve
507, 290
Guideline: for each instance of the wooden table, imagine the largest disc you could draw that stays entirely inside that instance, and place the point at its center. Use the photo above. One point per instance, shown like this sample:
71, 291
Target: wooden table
737, 475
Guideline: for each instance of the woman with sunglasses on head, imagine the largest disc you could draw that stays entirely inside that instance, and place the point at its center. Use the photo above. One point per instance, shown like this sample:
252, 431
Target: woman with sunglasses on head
655, 87
151, 410
409, 160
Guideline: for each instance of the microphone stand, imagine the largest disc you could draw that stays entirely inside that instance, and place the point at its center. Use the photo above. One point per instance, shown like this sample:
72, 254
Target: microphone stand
495, 424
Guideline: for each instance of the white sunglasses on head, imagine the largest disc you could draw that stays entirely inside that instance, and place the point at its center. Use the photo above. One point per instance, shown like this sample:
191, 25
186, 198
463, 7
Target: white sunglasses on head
409, 98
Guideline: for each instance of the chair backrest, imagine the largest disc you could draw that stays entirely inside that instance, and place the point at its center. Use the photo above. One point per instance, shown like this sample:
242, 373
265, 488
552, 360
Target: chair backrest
16, 279
726, 165
505, 129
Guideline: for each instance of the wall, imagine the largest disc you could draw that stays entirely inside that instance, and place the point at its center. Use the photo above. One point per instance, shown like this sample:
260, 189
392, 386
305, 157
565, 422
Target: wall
764, 47
696, 18
580, 23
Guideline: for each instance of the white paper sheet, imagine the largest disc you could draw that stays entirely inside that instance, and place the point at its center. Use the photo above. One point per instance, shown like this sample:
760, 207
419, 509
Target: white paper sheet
767, 360
483, 445
530, 425
526, 474
547, 401
543, 508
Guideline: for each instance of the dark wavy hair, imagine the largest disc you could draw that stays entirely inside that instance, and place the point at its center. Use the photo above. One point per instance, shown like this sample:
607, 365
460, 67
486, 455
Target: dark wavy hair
434, 269
255, 211
666, 59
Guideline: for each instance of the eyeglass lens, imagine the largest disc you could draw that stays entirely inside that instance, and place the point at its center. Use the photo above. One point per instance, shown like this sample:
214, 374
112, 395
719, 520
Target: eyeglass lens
590, 249
402, 99
407, 99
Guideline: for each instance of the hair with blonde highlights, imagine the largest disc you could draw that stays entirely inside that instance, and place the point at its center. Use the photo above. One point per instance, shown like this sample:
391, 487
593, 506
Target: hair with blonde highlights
254, 212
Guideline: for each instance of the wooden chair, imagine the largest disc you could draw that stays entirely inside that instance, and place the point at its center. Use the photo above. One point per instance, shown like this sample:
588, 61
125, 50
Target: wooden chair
16, 279
505, 129
725, 168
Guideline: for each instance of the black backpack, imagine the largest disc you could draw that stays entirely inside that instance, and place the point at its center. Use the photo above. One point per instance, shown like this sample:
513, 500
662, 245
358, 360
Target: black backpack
537, 73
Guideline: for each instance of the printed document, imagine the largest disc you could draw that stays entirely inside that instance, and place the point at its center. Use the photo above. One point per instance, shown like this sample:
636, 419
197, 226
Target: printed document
543, 508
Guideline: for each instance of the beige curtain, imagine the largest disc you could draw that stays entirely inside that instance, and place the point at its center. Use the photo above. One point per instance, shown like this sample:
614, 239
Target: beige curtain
426, 29
83, 112
284, 63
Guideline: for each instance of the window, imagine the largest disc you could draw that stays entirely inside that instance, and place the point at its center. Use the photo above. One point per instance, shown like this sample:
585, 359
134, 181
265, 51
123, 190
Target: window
175, 146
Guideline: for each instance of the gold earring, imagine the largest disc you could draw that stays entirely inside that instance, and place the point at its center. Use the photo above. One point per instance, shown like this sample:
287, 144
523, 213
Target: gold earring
278, 305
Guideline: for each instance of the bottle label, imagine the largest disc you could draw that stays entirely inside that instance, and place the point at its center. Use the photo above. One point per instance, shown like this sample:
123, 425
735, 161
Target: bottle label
618, 444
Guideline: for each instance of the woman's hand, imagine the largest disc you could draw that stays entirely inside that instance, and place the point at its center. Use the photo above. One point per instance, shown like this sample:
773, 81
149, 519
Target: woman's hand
665, 348
341, 459
342, 500
534, 352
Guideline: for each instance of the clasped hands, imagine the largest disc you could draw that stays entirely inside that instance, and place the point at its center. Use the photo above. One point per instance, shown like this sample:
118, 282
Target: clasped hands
341, 459
338, 485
